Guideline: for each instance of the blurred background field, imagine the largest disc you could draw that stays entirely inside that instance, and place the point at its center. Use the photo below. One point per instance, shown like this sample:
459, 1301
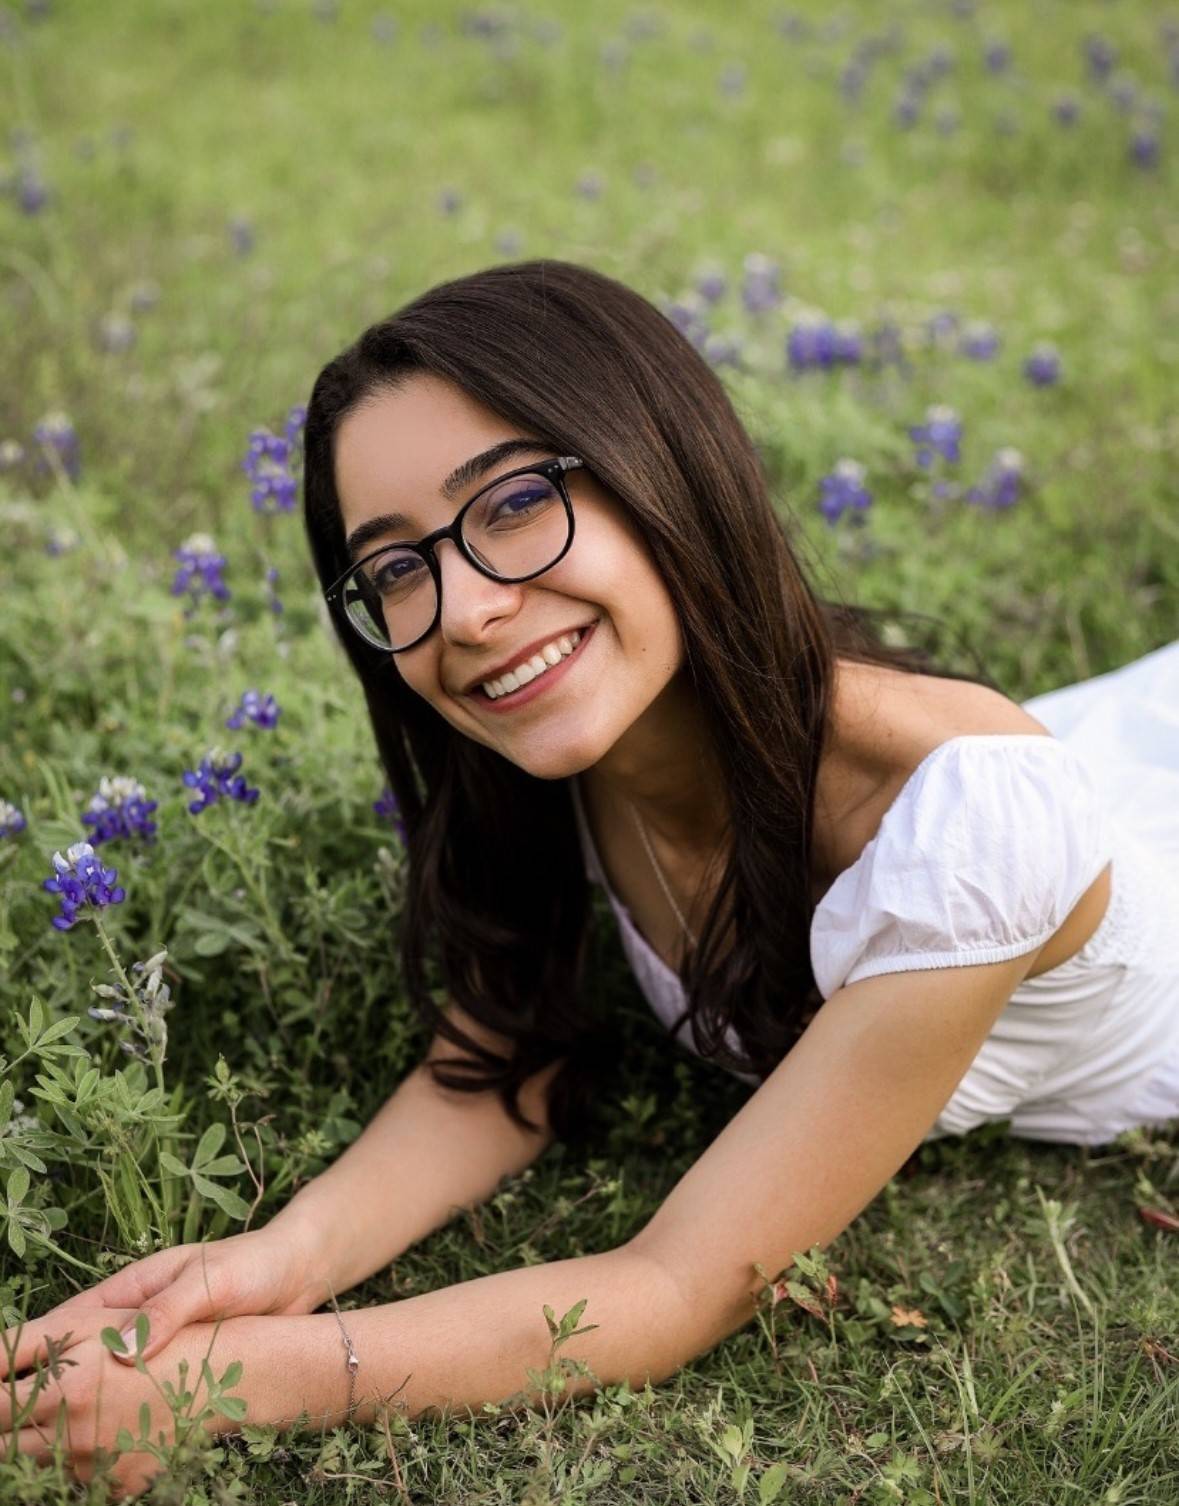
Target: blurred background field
859, 213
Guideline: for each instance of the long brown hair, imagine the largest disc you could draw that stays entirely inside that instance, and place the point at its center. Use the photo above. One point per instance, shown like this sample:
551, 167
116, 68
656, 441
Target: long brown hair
496, 877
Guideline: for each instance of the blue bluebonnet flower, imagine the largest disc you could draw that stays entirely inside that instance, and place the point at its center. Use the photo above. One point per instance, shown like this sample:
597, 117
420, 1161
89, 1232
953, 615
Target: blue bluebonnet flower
941, 327
56, 435
1003, 483
241, 235
12, 454
1066, 108
940, 434
979, 341
906, 108
1143, 150
273, 600
263, 711
997, 57
760, 286
143, 297
1042, 367
144, 1013
217, 776
1100, 55
711, 284
721, 350
388, 807
449, 201
11, 820
815, 343
82, 883
120, 808
842, 490
200, 570
689, 314
509, 242
61, 540
852, 78
271, 460
31, 191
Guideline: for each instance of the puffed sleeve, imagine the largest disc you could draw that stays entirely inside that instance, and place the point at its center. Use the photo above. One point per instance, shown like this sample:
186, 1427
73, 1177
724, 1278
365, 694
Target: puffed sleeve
988, 846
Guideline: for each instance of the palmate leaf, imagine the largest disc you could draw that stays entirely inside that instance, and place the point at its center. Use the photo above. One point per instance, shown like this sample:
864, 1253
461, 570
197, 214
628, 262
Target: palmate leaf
18, 1186
208, 1146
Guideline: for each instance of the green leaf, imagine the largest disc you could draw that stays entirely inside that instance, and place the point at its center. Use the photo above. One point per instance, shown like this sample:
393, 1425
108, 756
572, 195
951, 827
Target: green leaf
231, 1406
732, 1442
7, 1093
16, 1237
231, 1376
210, 943
18, 1186
36, 1018
171, 1165
144, 1419
22, 1153
209, 1144
56, 1031
113, 1340
223, 1166
770, 1484
225, 1198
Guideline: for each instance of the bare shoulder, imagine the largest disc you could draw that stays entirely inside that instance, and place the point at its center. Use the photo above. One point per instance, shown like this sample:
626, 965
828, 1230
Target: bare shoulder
884, 721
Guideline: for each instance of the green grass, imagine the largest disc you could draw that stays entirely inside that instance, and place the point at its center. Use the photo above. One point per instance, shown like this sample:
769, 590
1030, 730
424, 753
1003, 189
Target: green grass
277, 918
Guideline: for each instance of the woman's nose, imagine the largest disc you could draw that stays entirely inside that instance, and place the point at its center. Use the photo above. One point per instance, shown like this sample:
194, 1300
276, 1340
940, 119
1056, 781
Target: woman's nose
468, 596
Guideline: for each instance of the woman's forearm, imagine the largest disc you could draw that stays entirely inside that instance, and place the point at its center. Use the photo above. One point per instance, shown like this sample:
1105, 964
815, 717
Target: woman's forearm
427, 1153
471, 1343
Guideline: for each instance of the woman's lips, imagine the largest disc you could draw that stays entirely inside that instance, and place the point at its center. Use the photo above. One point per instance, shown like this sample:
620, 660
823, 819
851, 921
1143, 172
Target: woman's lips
536, 687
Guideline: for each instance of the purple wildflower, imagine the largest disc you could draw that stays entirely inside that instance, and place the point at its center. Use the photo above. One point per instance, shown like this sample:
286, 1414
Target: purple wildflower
980, 341
11, 820
263, 711
56, 435
940, 434
82, 883
997, 57
266, 464
120, 808
388, 808
450, 201
760, 289
1143, 150
689, 316
1100, 55
941, 327
843, 489
816, 343
1066, 108
200, 570
241, 235
711, 284
61, 540
272, 598
509, 242
32, 193
215, 776
1003, 482
1042, 367
721, 350
906, 109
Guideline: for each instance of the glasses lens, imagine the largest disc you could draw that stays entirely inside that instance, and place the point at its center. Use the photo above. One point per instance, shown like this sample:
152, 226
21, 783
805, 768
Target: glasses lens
517, 528
390, 599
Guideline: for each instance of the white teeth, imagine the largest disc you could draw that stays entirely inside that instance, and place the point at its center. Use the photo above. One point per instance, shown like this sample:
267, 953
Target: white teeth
543, 659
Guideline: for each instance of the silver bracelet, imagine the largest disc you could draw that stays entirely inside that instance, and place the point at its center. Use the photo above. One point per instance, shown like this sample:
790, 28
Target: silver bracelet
352, 1364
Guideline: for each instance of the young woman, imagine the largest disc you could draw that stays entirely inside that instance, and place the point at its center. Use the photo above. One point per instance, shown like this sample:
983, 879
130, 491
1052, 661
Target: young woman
895, 901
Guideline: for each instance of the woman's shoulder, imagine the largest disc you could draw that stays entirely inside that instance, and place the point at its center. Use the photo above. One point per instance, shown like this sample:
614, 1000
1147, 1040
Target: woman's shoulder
885, 725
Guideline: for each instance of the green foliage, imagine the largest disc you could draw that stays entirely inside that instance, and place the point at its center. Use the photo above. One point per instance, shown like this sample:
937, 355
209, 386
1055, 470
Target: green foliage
998, 1324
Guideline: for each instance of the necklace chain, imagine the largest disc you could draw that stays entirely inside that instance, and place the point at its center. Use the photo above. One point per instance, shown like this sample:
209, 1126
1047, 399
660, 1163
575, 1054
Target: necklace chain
659, 874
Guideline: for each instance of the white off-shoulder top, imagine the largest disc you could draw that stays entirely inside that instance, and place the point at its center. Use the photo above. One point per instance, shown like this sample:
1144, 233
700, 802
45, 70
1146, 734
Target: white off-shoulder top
981, 856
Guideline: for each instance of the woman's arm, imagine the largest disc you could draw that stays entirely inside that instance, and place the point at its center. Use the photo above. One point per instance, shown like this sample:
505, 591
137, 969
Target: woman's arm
429, 1152
808, 1151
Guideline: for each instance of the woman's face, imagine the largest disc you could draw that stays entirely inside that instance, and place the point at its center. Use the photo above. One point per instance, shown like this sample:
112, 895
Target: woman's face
392, 455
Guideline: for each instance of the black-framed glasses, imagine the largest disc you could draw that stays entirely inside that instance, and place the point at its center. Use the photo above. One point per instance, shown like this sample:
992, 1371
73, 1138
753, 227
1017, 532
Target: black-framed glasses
513, 529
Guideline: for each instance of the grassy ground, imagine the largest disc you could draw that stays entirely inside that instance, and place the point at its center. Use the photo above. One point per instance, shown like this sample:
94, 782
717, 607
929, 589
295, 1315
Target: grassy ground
232, 192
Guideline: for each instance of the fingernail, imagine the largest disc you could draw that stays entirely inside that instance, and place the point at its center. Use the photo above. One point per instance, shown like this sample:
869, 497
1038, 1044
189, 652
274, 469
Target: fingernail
128, 1338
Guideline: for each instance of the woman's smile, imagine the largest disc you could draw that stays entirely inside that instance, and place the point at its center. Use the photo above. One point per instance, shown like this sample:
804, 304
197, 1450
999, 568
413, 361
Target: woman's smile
541, 680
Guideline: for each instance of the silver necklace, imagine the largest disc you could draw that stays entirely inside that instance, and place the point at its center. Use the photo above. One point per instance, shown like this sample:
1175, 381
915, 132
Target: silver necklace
659, 874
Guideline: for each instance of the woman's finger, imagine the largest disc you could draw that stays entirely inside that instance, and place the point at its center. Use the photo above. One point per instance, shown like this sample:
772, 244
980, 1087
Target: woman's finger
14, 1400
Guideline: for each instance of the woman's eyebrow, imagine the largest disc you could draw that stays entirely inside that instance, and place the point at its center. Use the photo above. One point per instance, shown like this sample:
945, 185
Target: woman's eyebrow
459, 479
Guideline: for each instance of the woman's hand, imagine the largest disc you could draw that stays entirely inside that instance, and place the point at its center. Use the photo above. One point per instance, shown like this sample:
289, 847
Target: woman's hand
246, 1274
96, 1397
